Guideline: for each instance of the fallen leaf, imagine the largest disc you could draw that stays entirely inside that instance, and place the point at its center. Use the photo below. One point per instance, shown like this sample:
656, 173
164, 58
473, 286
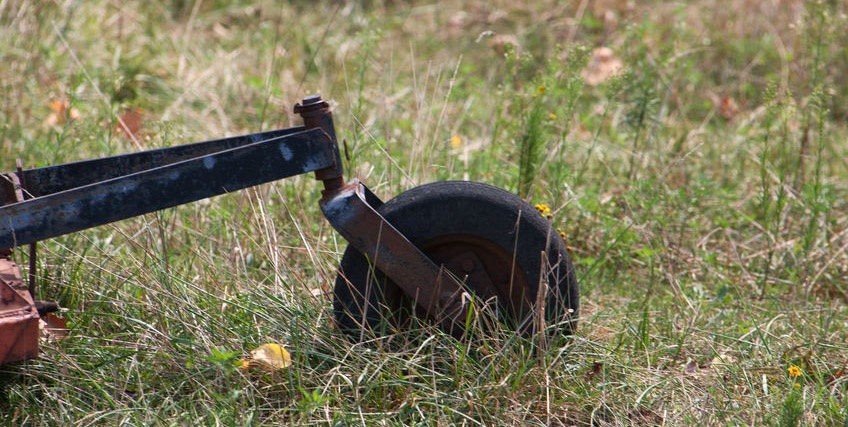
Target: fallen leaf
647, 417
130, 123
458, 21
597, 367
55, 327
728, 108
268, 357
691, 367
501, 42
602, 65
835, 376
321, 291
722, 361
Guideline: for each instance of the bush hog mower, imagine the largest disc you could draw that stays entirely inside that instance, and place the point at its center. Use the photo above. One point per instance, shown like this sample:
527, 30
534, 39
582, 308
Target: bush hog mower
445, 252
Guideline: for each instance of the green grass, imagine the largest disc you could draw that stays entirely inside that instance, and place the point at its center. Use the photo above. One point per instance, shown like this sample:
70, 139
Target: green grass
710, 240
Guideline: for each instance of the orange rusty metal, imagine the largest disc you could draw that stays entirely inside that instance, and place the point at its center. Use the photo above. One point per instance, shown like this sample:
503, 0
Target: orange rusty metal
435, 290
18, 315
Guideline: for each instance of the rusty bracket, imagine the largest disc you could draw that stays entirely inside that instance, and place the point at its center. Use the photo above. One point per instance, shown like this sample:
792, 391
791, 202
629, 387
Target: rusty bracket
432, 287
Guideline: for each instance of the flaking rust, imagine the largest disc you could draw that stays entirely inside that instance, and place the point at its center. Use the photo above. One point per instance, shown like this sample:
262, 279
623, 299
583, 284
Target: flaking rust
18, 314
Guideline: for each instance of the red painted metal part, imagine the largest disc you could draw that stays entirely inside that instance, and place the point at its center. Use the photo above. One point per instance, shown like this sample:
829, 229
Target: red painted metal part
18, 315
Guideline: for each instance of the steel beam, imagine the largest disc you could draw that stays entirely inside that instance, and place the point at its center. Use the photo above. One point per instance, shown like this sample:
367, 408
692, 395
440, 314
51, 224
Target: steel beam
170, 185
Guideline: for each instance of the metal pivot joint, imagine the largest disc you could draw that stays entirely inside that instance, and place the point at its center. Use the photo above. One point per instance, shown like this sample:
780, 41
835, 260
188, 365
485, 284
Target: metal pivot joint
316, 114
351, 210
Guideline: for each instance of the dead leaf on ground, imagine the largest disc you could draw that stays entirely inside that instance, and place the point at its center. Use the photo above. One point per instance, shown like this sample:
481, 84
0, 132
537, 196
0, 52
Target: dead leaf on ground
728, 108
835, 376
597, 367
602, 65
721, 362
691, 368
268, 357
645, 416
130, 123
458, 21
501, 42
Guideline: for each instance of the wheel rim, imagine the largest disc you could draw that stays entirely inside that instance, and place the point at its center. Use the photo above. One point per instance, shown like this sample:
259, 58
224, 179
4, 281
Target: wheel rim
486, 270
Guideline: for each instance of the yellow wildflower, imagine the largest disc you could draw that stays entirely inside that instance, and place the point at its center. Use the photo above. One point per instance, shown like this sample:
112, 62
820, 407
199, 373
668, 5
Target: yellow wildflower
455, 141
794, 371
541, 89
552, 116
544, 210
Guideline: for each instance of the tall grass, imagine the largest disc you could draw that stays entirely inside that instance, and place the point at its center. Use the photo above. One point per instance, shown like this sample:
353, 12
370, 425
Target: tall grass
701, 190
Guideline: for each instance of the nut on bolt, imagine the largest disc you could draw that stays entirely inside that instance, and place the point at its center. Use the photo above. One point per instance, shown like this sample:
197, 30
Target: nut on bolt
310, 104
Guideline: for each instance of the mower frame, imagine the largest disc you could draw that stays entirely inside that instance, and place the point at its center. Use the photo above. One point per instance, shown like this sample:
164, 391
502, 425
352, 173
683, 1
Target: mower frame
43, 203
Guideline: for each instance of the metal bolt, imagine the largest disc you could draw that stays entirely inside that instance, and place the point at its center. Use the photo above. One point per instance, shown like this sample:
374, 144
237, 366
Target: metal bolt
310, 103
311, 99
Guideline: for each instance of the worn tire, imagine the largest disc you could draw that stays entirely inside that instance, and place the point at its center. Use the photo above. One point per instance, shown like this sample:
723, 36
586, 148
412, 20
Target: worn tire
492, 223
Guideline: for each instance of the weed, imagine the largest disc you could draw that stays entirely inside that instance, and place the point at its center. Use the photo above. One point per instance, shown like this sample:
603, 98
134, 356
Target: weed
531, 143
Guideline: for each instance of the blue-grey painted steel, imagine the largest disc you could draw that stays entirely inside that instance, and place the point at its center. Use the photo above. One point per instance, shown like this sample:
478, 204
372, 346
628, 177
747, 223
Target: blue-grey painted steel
165, 186
53, 179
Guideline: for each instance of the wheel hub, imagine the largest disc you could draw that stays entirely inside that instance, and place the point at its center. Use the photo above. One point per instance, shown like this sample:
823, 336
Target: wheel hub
484, 269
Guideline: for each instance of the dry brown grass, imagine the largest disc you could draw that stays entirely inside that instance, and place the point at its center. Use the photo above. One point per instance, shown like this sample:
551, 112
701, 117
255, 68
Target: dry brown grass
703, 193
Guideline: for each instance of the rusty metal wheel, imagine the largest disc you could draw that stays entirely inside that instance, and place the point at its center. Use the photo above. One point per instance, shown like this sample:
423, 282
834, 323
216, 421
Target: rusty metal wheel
499, 246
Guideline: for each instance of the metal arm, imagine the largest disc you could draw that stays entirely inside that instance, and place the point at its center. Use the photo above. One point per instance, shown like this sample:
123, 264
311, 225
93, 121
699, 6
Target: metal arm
182, 181
53, 179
